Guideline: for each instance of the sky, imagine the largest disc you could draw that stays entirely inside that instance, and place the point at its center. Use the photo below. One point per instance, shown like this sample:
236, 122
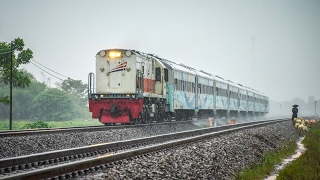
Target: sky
272, 46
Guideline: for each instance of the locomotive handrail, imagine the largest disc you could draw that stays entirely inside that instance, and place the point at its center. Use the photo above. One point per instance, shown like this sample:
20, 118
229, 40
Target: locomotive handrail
91, 79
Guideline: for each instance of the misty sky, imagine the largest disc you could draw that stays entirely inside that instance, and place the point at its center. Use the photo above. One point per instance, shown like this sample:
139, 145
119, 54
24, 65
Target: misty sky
272, 46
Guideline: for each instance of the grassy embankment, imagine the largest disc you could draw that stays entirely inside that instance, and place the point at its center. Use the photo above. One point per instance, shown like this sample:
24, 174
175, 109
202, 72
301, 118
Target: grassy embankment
307, 166
19, 124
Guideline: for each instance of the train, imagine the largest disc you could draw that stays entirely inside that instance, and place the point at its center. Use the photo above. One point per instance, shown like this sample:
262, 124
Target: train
131, 86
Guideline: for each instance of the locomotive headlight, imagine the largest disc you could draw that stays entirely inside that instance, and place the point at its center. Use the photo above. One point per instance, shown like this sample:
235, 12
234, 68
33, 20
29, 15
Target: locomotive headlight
114, 54
96, 96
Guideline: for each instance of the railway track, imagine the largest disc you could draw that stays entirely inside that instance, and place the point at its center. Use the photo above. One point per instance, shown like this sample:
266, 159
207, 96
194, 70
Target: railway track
75, 162
78, 129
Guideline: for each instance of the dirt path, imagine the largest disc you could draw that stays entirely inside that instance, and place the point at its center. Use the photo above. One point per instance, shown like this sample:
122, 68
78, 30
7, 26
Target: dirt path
285, 162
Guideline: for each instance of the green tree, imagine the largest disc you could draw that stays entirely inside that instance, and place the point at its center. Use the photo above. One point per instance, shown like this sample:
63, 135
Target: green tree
54, 104
22, 99
76, 88
19, 56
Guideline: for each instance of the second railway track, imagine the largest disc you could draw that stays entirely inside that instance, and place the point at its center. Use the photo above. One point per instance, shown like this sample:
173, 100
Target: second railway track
79, 129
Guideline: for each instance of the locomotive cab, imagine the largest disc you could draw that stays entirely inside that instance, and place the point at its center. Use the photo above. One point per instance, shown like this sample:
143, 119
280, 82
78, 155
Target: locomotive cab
115, 71
130, 87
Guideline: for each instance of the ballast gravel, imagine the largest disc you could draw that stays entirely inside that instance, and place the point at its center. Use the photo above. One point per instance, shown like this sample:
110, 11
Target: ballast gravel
25, 145
217, 158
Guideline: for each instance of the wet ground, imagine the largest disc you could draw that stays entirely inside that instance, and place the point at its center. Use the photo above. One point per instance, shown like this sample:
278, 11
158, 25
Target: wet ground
285, 162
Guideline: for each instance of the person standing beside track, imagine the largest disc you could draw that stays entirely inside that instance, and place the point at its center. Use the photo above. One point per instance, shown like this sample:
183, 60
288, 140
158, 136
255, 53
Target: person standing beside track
294, 112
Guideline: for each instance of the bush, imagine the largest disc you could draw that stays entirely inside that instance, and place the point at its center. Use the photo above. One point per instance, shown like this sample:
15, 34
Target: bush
36, 125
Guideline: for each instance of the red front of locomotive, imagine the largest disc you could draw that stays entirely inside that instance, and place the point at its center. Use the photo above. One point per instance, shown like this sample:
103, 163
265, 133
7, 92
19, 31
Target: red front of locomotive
117, 97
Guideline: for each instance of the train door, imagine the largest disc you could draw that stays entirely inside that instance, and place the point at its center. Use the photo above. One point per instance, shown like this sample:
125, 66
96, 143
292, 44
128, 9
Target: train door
247, 101
197, 95
159, 80
254, 102
239, 99
115, 73
228, 99
214, 96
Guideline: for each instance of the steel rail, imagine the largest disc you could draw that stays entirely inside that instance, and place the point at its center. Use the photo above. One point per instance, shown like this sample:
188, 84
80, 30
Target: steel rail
81, 129
104, 159
38, 157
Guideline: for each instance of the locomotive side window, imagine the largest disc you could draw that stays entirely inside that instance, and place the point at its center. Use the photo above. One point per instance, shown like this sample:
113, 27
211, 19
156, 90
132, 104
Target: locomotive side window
166, 78
176, 83
158, 74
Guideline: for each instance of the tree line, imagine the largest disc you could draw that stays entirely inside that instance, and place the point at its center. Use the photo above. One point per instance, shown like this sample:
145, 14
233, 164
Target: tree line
33, 99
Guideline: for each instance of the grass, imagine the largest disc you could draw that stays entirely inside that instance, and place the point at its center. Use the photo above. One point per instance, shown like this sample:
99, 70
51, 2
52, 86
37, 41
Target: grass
266, 165
306, 167
18, 124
